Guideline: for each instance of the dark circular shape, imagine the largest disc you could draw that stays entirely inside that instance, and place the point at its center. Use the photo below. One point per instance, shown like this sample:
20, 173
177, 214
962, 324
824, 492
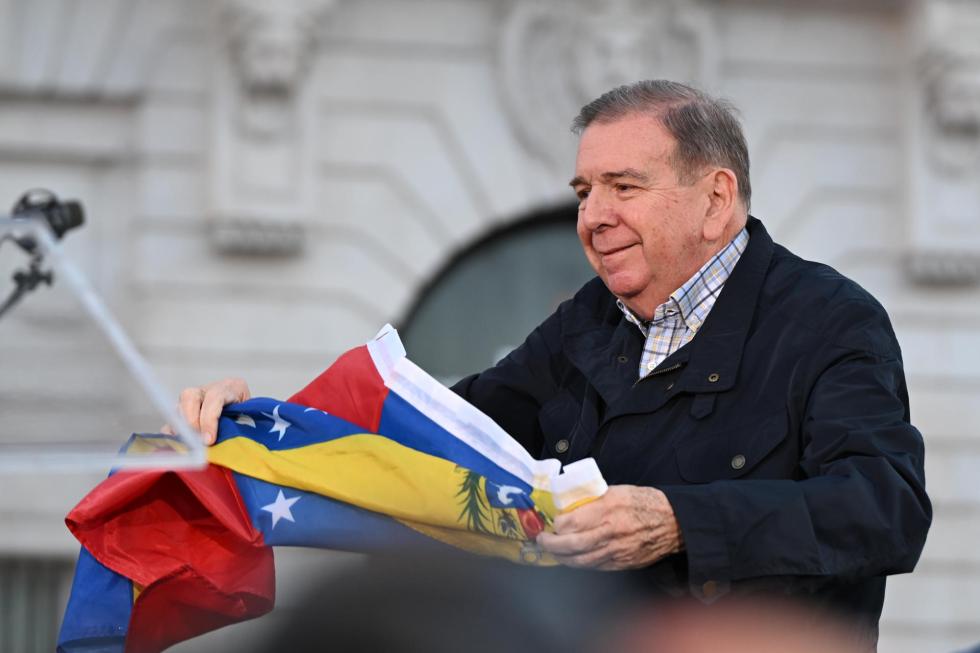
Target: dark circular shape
494, 292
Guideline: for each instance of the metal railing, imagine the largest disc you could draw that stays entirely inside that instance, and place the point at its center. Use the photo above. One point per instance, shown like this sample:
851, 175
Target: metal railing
33, 593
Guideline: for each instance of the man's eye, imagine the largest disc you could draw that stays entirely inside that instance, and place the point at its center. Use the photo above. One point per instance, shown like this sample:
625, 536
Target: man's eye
624, 188
582, 193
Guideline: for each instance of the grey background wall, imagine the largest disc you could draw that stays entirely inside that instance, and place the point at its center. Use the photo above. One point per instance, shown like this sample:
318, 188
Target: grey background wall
268, 183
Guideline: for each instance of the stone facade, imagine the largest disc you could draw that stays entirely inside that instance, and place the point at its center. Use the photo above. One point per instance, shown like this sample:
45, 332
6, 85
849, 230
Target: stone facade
303, 169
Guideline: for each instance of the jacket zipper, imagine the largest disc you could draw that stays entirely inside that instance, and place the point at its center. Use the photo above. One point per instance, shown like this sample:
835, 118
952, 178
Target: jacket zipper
675, 366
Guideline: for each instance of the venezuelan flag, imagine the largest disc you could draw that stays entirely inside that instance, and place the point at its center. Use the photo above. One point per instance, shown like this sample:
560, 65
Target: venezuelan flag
373, 454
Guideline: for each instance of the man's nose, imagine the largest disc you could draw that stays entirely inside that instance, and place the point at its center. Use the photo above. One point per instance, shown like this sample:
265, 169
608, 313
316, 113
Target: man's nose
598, 210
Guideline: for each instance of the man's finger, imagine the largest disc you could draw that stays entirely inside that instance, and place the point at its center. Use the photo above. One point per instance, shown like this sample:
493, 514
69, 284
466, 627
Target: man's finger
599, 559
216, 397
214, 402
189, 405
583, 518
571, 544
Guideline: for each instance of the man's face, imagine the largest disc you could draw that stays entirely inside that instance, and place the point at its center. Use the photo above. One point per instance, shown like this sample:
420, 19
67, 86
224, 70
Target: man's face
642, 230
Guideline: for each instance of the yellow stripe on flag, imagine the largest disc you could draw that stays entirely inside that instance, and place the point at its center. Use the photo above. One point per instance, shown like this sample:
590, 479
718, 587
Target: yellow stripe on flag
371, 472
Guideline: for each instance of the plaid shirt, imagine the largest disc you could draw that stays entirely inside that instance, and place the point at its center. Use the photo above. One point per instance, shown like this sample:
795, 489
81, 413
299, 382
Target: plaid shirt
676, 321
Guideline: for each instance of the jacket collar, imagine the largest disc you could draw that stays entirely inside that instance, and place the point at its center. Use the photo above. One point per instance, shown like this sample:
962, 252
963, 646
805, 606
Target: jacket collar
606, 348
717, 349
602, 345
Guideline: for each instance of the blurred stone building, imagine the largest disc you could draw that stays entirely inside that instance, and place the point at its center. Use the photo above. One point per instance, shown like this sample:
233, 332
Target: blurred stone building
267, 183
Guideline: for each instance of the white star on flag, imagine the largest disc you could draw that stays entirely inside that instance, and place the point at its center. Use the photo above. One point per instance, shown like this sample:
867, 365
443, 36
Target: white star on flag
280, 425
317, 410
245, 420
280, 508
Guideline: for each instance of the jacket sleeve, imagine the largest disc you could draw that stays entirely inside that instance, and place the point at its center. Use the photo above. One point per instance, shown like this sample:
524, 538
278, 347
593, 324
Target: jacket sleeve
513, 391
859, 507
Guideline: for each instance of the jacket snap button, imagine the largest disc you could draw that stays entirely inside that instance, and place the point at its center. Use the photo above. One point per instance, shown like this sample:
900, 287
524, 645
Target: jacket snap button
622, 359
738, 461
713, 377
561, 446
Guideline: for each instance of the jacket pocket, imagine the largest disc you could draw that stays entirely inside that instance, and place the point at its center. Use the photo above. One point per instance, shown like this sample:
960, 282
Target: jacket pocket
559, 419
731, 452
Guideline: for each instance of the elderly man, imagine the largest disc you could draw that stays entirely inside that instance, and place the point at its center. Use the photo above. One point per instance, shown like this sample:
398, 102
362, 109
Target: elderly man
747, 407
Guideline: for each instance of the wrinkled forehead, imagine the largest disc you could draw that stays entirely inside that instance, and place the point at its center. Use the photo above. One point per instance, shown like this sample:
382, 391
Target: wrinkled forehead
632, 141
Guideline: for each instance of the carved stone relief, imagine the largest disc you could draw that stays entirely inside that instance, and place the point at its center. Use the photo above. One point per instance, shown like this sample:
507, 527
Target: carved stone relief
945, 146
951, 93
556, 55
261, 185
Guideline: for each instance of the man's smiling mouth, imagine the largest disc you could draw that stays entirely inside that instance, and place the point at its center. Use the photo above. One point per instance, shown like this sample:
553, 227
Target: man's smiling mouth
615, 250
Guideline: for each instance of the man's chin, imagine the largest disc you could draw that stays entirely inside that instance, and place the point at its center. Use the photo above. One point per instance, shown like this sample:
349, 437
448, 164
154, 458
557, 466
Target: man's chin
623, 287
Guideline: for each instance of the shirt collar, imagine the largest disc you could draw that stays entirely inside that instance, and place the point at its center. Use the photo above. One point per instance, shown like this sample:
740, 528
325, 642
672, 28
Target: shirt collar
694, 300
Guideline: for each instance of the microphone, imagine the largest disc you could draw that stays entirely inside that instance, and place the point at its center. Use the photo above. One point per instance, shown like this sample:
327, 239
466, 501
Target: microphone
60, 216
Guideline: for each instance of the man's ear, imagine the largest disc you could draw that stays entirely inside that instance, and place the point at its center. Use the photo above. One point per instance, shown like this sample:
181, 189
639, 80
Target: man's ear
721, 187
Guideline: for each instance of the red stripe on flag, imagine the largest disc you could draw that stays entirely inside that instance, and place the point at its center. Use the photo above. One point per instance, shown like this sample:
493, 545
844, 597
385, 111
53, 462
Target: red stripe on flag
188, 540
351, 389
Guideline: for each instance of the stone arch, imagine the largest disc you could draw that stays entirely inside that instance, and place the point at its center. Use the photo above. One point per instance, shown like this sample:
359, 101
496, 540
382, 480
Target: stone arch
491, 293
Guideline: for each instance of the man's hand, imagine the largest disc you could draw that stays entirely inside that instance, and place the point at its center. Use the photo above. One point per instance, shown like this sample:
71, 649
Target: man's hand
626, 528
201, 407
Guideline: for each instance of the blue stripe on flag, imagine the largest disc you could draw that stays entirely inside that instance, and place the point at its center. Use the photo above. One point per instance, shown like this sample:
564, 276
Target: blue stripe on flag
98, 611
403, 423
299, 518
298, 426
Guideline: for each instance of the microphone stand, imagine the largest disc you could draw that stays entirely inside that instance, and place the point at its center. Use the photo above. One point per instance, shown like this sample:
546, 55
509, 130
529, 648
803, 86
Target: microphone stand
26, 281
43, 241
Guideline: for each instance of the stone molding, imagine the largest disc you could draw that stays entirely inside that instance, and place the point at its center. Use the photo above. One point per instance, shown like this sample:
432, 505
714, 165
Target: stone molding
950, 88
944, 268
944, 137
271, 45
556, 55
263, 117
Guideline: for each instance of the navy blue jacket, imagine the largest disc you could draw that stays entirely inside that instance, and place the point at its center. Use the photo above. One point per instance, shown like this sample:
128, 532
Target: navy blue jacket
780, 434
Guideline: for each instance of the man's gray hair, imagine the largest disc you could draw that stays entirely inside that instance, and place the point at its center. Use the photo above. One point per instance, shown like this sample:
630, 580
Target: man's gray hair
706, 128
